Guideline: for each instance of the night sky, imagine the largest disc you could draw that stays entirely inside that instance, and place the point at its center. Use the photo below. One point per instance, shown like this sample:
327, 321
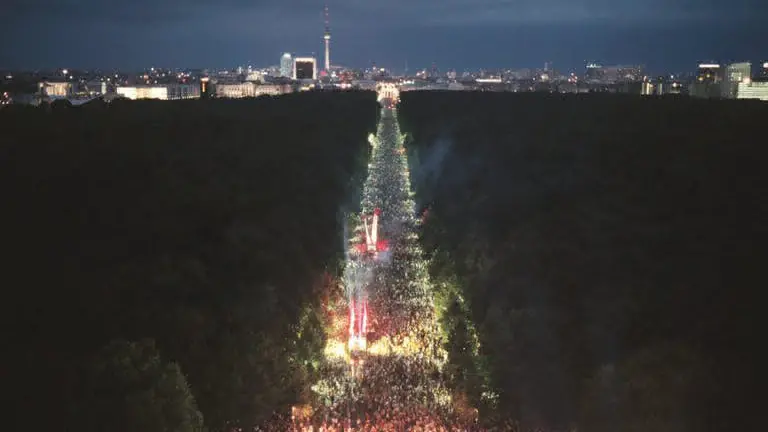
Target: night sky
665, 35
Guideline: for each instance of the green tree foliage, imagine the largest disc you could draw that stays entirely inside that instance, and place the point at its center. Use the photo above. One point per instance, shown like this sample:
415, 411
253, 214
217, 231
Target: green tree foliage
590, 230
130, 388
461, 356
206, 225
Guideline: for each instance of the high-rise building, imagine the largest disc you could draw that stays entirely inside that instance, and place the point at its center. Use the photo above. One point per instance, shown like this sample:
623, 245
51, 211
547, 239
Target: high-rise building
763, 73
708, 79
205, 87
709, 73
738, 71
734, 74
286, 65
327, 38
304, 68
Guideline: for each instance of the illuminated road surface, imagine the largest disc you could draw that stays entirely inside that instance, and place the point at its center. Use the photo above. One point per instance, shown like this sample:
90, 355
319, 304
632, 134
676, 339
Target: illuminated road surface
391, 375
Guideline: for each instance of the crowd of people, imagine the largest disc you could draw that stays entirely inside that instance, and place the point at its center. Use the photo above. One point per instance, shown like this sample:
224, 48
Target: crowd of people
402, 388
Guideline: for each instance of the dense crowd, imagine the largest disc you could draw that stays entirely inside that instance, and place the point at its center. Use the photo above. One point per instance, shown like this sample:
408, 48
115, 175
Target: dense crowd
402, 386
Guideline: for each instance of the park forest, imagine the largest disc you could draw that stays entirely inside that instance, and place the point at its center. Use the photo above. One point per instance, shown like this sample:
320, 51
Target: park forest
167, 263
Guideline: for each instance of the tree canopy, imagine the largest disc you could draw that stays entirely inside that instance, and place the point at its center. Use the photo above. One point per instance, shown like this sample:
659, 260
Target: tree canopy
601, 239
129, 388
209, 226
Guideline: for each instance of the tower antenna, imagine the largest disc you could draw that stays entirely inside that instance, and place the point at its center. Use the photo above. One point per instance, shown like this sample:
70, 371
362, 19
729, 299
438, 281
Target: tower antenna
327, 38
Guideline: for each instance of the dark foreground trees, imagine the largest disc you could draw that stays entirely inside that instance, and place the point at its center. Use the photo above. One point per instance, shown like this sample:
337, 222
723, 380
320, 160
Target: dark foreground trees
611, 249
129, 388
208, 226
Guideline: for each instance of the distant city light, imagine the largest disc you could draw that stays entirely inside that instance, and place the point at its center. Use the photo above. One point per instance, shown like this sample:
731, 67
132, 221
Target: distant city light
488, 80
709, 66
64, 71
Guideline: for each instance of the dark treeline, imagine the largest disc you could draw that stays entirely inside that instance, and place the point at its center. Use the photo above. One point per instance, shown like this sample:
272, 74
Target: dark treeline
151, 243
612, 251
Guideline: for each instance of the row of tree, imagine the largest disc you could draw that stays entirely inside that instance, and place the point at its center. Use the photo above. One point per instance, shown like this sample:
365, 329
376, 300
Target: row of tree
204, 231
611, 250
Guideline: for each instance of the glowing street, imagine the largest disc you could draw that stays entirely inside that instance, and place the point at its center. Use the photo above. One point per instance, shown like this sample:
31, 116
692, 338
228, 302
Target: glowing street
385, 357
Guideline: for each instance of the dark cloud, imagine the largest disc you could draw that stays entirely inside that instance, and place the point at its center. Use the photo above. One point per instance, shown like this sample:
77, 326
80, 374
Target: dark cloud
228, 32
458, 12
84, 12
402, 11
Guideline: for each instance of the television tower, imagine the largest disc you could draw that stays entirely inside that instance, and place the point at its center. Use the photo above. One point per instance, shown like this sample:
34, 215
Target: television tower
327, 38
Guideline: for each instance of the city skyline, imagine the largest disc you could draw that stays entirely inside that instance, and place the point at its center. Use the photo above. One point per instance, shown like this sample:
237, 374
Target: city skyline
459, 35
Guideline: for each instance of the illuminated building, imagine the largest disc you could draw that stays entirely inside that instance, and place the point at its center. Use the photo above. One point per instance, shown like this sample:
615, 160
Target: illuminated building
490, 80
734, 74
629, 73
614, 74
255, 77
595, 72
659, 86
239, 90
305, 68
364, 84
272, 89
647, 88
709, 73
143, 92
161, 92
95, 88
286, 65
55, 89
708, 79
749, 89
249, 89
205, 87
763, 73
